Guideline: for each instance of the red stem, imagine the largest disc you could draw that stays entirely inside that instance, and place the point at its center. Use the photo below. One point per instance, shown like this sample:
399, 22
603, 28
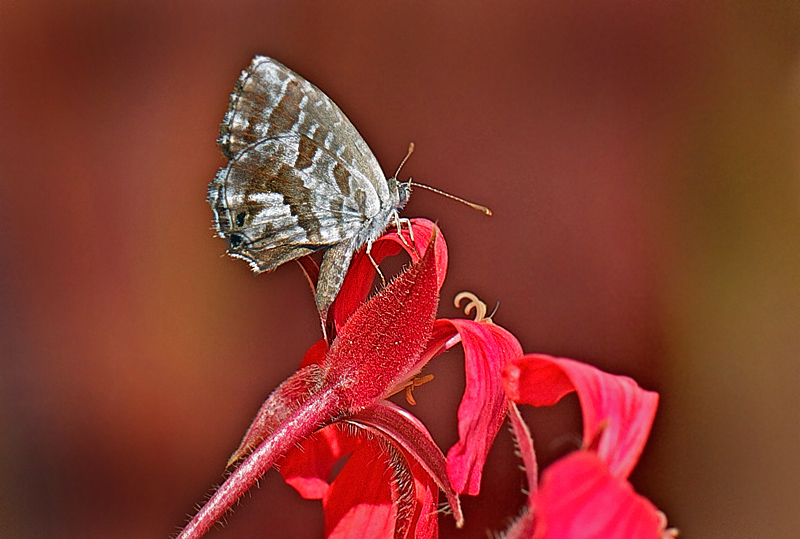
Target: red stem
320, 408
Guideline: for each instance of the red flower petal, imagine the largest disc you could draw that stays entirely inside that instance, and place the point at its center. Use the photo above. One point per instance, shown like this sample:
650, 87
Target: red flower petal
614, 407
426, 521
308, 467
487, 348
361, 502
410, 435
316, 354
579, 498
361, 275
380, 491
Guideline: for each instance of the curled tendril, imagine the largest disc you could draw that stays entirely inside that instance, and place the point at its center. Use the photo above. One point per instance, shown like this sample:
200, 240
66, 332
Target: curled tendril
473, 304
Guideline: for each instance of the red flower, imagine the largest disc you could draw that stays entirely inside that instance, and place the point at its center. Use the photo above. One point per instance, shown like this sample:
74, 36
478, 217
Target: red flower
586, 494
335, 406
379, 347
352, 503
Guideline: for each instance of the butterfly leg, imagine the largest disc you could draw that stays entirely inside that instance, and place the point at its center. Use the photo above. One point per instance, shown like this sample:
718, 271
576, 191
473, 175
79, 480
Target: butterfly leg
398, 223
375, 264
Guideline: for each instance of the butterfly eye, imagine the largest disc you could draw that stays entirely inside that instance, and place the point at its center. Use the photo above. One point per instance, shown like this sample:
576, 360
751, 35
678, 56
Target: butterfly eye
240, 218
236, 240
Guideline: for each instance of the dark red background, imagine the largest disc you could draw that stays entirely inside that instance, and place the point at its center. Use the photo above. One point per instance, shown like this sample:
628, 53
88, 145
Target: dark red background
641, 159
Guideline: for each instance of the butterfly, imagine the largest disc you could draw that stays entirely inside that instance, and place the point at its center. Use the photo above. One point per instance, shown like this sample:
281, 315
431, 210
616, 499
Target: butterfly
299, 178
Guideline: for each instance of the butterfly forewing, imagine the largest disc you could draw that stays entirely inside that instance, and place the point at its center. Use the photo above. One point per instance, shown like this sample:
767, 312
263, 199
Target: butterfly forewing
271, 101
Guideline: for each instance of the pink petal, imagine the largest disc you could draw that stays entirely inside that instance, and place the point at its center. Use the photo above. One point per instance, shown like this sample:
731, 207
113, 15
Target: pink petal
361, 275
614, 407
360, 496
579, 498
487, 348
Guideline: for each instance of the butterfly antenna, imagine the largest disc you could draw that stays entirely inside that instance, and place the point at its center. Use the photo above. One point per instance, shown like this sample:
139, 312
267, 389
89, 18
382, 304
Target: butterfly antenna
403, 162
472, 205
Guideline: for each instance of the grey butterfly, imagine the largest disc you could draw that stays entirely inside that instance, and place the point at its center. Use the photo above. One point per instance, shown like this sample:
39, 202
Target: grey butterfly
299, 178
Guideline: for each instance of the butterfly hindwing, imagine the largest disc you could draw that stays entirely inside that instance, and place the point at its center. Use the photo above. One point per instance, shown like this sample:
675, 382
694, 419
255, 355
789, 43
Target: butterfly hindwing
263, 202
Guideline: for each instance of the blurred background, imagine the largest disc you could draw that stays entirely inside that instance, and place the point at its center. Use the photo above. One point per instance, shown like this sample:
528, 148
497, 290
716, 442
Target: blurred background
641, 159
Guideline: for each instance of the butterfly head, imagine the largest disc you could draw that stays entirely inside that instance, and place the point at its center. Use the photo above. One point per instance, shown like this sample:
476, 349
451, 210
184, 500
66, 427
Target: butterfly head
403, 190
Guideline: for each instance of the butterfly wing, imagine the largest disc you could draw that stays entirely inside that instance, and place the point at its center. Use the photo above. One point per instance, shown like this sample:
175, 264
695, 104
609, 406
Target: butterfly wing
300, 176
273, 211
271, 100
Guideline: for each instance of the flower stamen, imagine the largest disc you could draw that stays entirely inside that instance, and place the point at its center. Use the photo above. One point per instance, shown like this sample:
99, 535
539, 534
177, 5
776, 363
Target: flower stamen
415, 382
409, 386
474, 304
666, 533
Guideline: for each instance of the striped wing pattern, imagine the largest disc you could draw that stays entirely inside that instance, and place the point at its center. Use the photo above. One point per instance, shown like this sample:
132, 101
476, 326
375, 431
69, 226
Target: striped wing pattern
299, 178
